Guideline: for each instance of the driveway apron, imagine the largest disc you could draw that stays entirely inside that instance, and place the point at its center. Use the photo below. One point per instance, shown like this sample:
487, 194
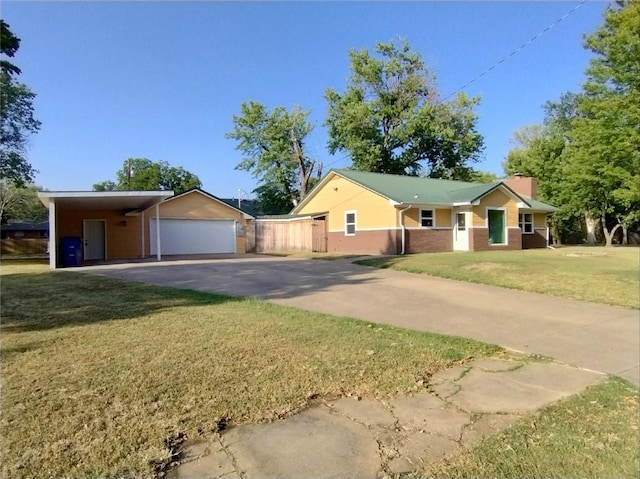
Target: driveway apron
590, 336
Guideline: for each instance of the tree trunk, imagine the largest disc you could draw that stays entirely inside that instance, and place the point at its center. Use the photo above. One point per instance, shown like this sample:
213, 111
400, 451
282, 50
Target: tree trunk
555, 232
608, 236
625, 235
591, 223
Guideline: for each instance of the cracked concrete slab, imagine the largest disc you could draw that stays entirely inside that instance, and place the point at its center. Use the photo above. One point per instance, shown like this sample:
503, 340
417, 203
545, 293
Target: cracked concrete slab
316, 443
487, 425
525, 389
425, 412
367, 438
419, 449
366, 411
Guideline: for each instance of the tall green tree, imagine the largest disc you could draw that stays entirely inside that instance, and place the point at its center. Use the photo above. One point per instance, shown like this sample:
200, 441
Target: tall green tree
604, 152
17, 119
146, 175
479, 176
272, 145
390, 119
538, 152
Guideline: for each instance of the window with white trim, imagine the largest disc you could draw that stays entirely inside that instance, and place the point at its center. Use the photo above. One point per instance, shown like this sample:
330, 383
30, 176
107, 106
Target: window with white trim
525, 222
427, 218
350, 223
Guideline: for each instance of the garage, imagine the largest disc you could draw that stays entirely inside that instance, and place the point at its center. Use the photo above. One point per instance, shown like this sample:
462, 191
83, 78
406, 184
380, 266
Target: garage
193, 236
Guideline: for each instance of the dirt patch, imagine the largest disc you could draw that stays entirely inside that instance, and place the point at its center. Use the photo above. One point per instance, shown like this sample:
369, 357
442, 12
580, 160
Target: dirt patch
487, 267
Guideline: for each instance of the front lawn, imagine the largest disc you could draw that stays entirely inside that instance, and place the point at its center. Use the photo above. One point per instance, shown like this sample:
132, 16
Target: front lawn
100, 375
596, 274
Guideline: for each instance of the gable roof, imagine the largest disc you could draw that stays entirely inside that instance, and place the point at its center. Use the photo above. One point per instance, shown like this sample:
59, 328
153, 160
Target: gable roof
251, 207
413, 190
210, 196
536, 205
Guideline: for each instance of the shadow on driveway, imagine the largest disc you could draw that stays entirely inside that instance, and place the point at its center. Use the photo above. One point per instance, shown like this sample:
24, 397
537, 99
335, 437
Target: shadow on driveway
264, 277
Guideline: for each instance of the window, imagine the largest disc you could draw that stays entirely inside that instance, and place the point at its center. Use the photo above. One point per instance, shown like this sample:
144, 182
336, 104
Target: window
427, 219
461, 219
525, 222
350, 223
496, 223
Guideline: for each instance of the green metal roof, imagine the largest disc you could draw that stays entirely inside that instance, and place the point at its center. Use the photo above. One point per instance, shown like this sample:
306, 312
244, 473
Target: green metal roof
416, 190
540, 206
413, 189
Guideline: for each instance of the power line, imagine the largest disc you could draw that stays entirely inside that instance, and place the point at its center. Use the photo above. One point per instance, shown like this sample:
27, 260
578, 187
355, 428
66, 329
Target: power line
524, 45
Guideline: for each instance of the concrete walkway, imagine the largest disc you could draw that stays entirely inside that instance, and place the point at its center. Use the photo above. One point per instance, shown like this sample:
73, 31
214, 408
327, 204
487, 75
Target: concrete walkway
591, 336
373, 438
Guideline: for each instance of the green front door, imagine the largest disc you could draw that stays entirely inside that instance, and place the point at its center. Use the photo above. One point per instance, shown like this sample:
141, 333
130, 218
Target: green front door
496, 226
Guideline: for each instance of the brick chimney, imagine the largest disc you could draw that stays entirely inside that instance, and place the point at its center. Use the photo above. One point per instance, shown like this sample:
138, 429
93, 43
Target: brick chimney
526, 186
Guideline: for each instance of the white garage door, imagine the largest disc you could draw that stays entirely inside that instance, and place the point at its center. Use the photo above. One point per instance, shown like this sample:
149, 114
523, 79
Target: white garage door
193, 236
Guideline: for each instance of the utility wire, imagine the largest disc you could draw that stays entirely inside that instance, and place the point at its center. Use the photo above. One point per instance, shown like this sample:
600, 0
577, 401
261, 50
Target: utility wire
524, 45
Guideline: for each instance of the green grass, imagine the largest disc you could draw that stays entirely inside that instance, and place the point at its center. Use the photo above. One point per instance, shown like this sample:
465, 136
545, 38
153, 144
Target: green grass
593, 434
98, 372
596, 274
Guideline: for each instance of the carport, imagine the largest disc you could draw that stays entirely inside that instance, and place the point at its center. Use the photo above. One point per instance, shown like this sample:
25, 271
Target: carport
110, 224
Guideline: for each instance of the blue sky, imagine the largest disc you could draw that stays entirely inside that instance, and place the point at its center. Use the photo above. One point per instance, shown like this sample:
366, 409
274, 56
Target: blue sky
162, 80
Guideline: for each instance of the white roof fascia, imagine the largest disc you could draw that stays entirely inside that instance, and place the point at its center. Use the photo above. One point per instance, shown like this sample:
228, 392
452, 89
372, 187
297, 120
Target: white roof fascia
47, 196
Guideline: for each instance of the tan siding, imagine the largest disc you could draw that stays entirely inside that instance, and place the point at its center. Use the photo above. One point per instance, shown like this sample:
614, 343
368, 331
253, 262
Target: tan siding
122, 240
443, 217
340, 195
497, 199
196, 205
539, 220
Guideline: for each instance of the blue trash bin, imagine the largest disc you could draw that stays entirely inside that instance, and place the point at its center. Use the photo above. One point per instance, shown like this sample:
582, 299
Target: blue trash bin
71, 251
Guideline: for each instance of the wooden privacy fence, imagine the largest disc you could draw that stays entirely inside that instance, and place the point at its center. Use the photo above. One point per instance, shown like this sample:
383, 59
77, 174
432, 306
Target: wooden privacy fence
308, 235
24, 245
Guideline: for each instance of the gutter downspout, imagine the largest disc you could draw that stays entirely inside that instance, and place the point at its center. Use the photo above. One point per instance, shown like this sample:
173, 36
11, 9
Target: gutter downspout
404, 230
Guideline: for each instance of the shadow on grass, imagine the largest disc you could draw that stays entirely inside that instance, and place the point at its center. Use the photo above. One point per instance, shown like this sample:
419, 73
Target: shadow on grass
39, 301
379, 261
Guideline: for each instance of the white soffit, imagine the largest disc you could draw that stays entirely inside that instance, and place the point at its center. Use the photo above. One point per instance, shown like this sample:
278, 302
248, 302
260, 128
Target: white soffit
109, 200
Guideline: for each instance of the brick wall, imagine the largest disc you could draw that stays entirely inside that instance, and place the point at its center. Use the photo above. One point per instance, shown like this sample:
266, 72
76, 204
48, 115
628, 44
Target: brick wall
479, 240
537, 240
429, 241
365, 242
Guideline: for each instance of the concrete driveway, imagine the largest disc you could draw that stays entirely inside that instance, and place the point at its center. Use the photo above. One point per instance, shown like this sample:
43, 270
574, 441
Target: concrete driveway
591, 336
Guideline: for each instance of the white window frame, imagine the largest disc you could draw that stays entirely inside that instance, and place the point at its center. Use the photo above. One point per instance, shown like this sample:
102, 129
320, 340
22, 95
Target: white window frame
433, 217
354, 223
522, 223
506, 227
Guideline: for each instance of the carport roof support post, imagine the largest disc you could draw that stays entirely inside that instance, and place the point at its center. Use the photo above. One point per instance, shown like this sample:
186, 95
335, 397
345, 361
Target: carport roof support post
158, 252
53, 243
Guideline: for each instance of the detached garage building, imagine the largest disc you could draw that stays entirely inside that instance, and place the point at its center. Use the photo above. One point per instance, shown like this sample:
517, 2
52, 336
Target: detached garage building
120, 225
